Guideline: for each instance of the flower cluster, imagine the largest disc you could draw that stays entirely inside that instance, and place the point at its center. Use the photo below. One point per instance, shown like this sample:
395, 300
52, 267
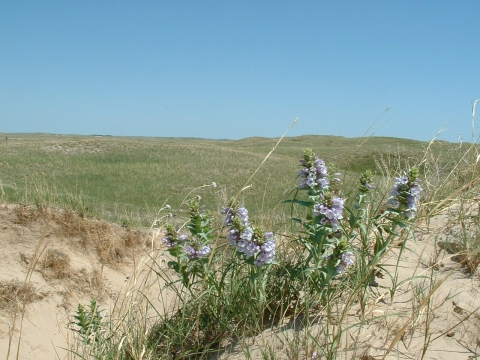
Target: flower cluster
365, 182
193, 249
314, 172
331, 210
406, 193
267, 250
172, 238
234, 215
347, 259
195, 246
197, 250
246, 238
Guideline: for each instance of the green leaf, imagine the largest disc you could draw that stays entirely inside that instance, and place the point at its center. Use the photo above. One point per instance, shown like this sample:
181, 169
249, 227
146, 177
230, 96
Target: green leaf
300, 202
174, 265
352, 221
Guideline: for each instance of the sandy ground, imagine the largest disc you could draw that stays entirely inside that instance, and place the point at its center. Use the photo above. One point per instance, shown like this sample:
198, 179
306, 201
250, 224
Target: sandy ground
33, 245
35, 242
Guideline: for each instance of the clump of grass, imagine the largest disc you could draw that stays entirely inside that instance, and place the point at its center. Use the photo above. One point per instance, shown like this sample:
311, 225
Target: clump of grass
133, 239
57, 264
25, 214
14, 294
463, 236
112, 246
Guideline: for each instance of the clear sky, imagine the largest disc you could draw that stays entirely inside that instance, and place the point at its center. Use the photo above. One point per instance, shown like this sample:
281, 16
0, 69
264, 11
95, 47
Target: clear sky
235, 69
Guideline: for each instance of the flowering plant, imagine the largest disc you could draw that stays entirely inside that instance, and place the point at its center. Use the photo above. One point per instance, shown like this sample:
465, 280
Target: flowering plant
257, 247
190, 251
322, 235
401, 209
334, 237
405, 194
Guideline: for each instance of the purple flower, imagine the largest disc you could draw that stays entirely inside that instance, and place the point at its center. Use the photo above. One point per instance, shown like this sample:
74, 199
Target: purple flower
247, 234
315, 172
228, 211
197, 250
399, 185
250, 248
365, 182
267, 250
232, 212
323, 183
172, 238
331, 213
245, 239
347, 259
405, 194
242, 213
233, 236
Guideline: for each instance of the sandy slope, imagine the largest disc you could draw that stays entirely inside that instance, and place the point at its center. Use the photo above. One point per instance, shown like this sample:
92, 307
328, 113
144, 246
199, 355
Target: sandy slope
99, 265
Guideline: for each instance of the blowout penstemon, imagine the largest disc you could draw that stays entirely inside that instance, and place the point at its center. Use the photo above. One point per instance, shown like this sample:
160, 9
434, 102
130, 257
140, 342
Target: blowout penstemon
314, 173
324, 238
403, 202
255, 247
405, 194
172, 239
247, 239
197, 246
328, 236
330, 208
191, 252
347, 259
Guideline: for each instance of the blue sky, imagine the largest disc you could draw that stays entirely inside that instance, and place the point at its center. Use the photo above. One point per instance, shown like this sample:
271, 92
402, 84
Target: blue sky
235, 69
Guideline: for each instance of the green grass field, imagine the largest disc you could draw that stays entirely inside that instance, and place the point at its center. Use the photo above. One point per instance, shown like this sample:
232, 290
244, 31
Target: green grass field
129, 178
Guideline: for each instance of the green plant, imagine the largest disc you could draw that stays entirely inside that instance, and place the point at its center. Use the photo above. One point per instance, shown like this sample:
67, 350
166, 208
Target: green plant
90, 323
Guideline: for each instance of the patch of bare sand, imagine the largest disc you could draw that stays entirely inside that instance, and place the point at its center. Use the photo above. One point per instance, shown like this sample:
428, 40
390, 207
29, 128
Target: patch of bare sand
59, 260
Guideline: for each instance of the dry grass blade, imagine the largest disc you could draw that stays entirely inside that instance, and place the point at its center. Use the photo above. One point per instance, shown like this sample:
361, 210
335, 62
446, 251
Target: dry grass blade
426, 299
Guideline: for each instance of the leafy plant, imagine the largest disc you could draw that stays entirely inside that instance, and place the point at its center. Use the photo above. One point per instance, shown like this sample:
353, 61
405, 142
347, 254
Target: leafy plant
90, 323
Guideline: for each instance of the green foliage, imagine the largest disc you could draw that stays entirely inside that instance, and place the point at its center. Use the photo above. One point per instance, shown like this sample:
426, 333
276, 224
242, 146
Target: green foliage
90, 324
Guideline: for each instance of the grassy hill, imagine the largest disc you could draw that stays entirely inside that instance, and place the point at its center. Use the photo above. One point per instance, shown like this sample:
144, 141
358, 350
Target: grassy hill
127, 179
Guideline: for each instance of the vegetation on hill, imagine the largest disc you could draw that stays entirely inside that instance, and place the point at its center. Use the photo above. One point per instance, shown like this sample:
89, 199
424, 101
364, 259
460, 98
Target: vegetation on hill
127, 180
